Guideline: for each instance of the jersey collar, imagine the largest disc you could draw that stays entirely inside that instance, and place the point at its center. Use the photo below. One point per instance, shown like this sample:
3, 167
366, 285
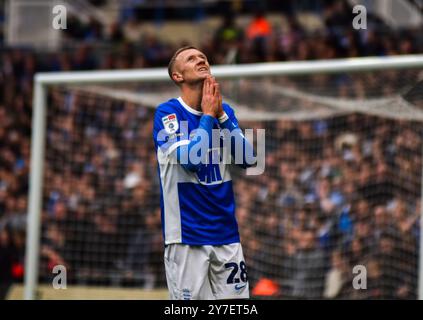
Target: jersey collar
188, 108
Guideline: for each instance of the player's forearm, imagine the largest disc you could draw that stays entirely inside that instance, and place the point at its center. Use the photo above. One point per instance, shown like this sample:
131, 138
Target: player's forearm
238, 142
201, 141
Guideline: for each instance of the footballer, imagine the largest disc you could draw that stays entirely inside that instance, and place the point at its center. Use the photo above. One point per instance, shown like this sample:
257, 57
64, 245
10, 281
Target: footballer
203, 256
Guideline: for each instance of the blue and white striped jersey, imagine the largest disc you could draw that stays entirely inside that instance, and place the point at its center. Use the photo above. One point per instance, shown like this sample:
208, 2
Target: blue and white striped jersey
197, 201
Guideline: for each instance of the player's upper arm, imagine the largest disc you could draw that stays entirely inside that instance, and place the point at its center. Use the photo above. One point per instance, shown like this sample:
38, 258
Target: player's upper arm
167, 132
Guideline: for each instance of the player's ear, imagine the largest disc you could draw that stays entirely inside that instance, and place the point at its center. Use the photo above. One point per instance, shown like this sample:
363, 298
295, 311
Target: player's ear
177, 77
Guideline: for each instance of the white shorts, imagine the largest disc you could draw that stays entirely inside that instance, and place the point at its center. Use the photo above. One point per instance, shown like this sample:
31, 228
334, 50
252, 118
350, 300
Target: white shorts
206, 272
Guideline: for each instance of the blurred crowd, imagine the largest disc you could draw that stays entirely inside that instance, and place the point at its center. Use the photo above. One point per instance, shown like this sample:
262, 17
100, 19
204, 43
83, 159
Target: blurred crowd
102, 215
333, 197
126, 43
336, 193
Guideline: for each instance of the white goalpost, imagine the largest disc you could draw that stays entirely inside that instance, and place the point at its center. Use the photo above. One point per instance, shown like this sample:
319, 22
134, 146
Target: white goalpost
43, 81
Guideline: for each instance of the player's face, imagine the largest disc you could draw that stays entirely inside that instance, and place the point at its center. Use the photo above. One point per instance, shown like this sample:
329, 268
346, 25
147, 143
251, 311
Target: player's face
193, 65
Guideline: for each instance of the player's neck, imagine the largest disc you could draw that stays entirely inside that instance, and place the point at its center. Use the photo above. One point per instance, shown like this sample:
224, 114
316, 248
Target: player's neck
192, 96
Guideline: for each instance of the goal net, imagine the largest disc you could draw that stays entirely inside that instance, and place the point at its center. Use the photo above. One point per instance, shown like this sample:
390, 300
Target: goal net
336, 213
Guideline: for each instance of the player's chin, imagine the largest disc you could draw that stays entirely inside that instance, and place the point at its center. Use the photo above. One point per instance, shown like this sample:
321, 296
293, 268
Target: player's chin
200, 78
203, 74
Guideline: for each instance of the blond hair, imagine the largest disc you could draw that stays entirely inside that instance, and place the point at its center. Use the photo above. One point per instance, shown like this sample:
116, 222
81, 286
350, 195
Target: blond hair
173, 59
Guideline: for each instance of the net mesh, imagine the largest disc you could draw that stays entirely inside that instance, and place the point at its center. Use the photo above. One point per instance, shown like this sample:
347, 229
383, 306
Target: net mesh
341, 188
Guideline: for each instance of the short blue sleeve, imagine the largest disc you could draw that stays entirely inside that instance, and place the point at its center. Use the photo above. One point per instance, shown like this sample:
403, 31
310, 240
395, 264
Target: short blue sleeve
168, 130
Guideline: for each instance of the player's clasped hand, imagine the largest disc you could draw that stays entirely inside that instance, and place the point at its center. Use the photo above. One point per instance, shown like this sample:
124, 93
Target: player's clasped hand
219, 102
211, 102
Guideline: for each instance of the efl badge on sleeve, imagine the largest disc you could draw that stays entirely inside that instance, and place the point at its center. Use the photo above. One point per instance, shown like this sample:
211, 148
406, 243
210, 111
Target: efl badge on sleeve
170, 123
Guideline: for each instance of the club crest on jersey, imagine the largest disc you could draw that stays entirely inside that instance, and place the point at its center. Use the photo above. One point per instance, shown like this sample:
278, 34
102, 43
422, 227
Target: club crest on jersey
170, 123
